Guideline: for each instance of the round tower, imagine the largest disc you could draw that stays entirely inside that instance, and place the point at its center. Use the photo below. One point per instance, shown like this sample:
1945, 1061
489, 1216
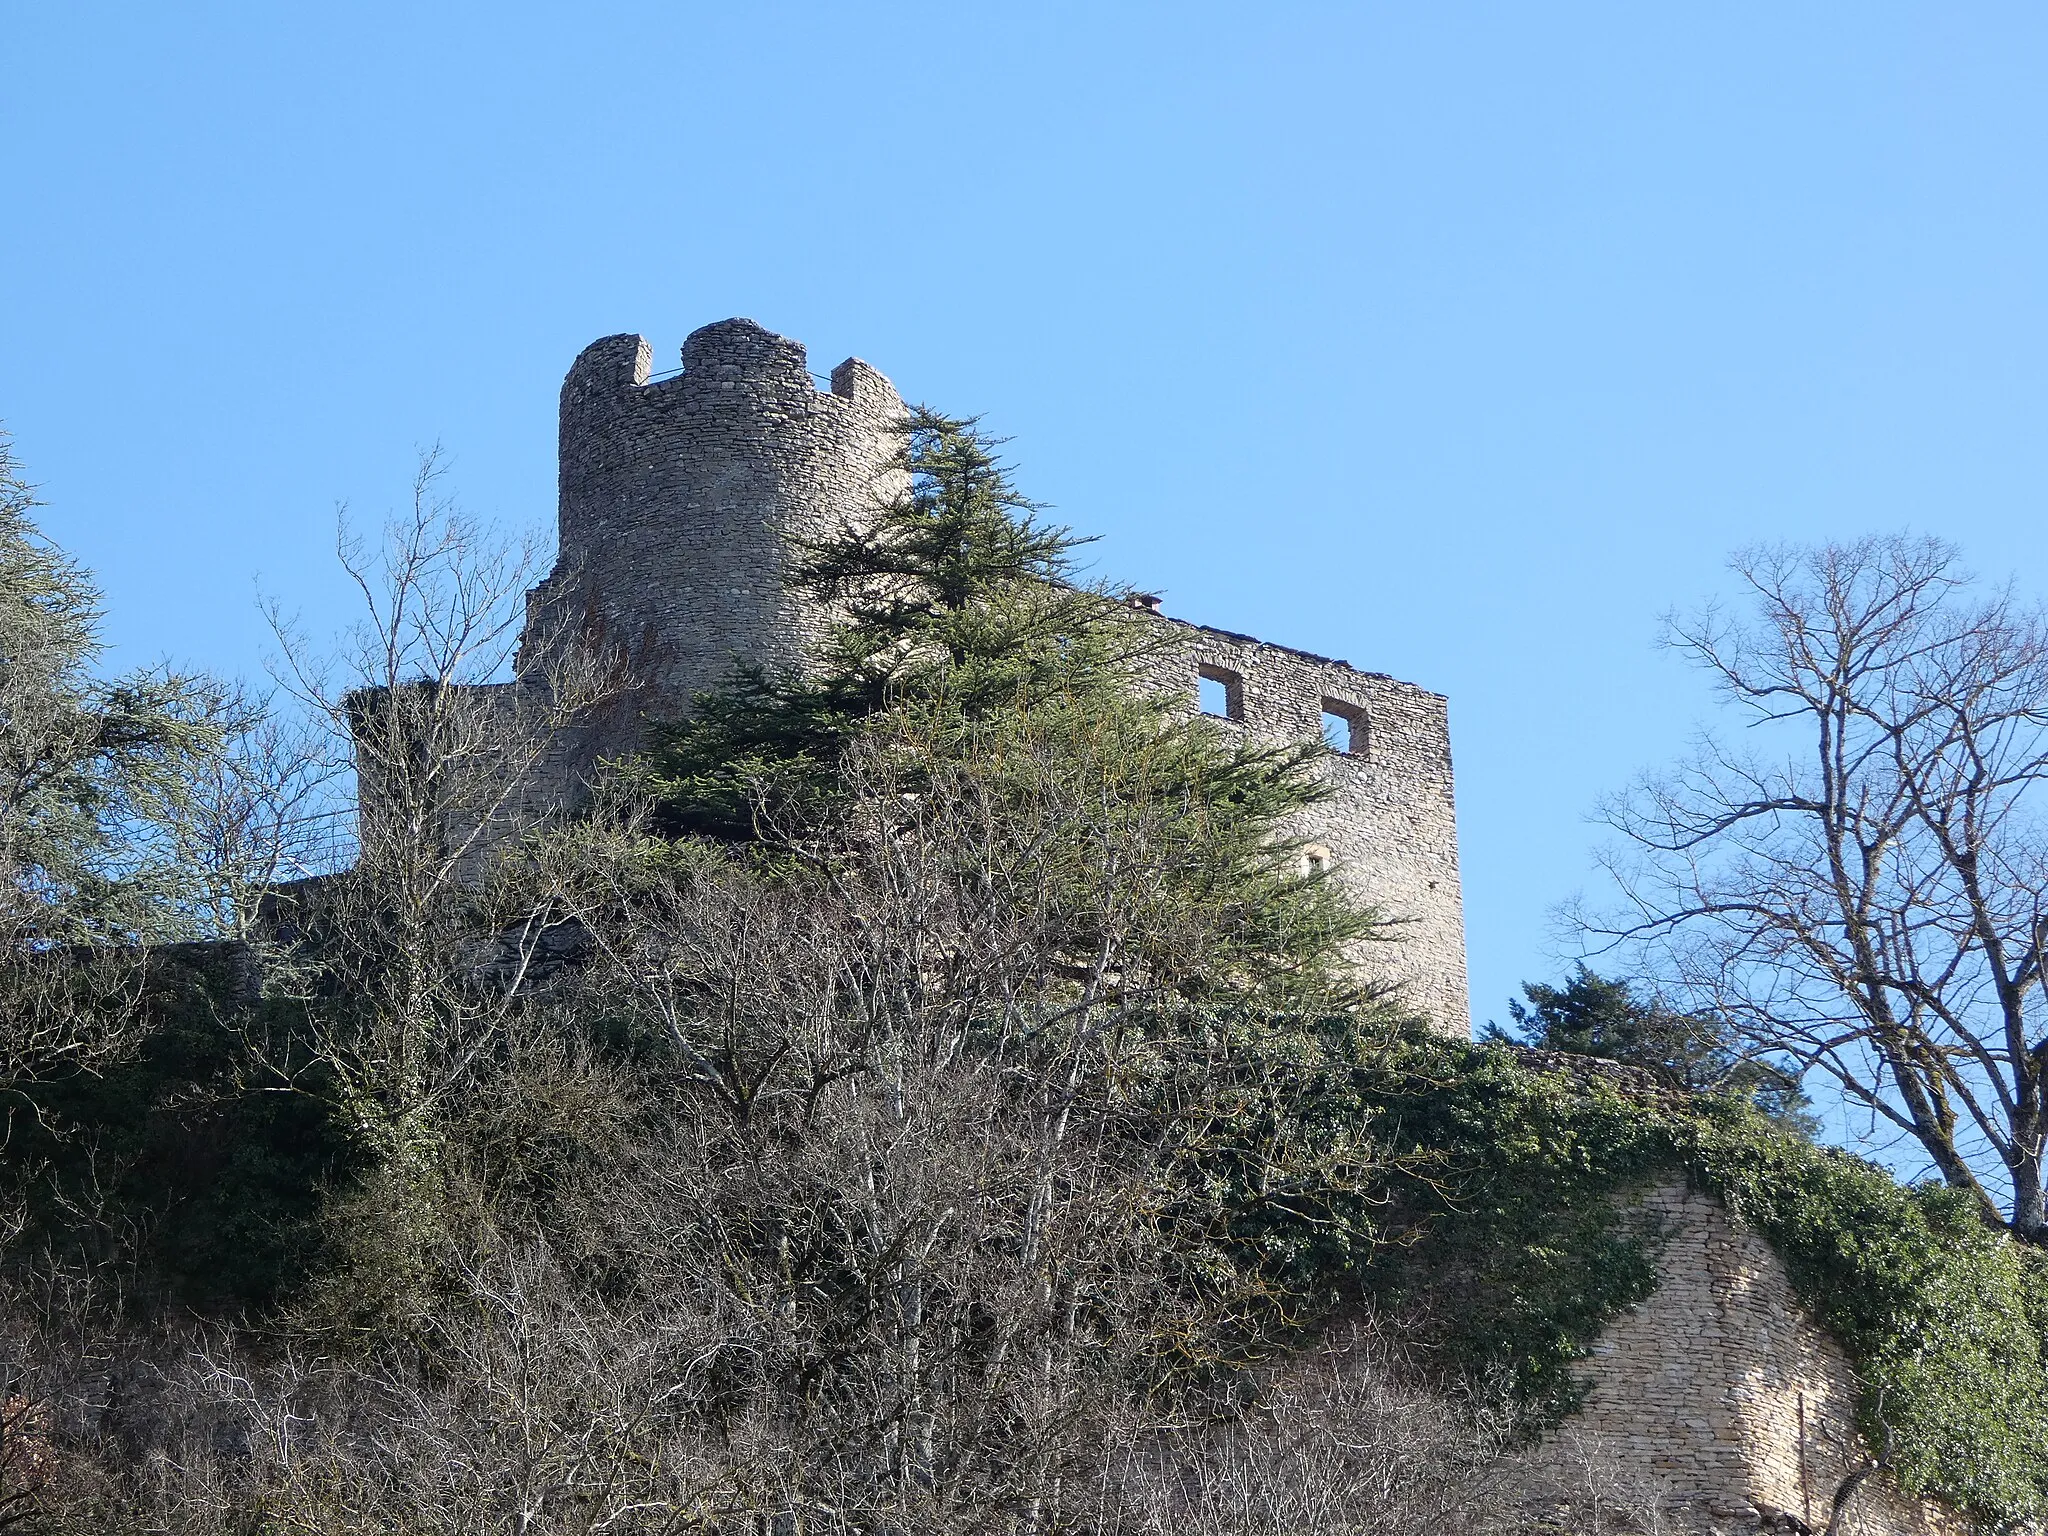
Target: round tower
680, 498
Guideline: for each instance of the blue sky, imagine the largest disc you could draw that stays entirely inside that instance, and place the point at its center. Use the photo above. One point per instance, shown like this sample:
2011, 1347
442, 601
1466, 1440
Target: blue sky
1459, 341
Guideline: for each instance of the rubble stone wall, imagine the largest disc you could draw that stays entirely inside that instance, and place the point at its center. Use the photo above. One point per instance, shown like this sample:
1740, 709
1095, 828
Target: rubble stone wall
1721, 1394
1389, 827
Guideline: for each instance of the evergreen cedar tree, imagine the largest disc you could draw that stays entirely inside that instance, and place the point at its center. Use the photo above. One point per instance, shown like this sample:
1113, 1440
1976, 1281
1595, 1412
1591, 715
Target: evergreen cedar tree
953, 599
963, 632
95, 776
953, 592
1692, 1052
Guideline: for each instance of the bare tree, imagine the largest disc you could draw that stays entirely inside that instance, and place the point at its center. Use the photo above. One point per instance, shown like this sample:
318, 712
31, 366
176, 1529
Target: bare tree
410, 963
1862, 887
262, 815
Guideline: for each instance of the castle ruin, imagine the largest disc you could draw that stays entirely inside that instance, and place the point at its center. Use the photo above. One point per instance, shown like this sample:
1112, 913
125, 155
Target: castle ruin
681, 495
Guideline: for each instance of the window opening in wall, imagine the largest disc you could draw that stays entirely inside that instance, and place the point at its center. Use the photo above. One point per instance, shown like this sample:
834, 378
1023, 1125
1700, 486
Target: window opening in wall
1343, 728
1222, 692
1315, 860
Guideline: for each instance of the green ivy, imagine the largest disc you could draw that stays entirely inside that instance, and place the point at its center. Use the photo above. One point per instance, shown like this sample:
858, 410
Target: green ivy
1942, 1315
1502, 1231
1508, 1227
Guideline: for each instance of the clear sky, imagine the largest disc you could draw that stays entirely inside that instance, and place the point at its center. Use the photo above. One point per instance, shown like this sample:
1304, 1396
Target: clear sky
1456, 340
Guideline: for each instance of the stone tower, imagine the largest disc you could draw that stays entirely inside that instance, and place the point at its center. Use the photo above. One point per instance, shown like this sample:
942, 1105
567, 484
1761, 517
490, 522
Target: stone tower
681, 496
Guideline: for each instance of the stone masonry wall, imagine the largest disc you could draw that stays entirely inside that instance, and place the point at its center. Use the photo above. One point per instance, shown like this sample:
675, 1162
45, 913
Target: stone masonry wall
1389, 827
1721, 1394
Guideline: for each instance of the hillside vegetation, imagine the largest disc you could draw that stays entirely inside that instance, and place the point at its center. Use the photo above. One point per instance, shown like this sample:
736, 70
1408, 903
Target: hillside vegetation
932, 1095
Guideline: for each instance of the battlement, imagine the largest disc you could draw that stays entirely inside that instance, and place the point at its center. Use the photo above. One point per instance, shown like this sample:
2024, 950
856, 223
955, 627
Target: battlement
728, 358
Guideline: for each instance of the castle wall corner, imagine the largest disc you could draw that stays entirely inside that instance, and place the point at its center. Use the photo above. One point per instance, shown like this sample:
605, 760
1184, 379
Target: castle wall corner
1388, 825
1722, 1395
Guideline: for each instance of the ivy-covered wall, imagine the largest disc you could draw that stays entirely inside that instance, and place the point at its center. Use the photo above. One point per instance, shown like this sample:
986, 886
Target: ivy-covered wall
1721, 1389
1531, 1230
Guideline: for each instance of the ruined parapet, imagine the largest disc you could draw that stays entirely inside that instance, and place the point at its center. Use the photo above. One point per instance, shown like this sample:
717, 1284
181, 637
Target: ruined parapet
1721, 1398
1388, 829
681, 499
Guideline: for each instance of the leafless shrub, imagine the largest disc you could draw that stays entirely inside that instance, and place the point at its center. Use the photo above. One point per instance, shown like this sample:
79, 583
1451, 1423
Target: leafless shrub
1338, 1441
1590, 1487
537, 1407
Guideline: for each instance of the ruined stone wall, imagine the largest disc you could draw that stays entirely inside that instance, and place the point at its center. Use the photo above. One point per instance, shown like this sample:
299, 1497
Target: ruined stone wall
1721, 1395
1389, 827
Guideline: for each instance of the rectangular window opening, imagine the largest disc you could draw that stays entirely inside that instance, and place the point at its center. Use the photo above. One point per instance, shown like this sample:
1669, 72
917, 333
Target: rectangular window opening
1222, 692
1344, 728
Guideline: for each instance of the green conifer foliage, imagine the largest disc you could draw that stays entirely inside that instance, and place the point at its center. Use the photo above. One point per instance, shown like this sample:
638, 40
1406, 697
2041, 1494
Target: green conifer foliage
94, 775
1694, 1052
957, 599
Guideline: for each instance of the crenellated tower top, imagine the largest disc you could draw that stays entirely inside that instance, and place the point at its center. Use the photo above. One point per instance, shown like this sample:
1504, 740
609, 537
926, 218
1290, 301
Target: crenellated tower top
681, 497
